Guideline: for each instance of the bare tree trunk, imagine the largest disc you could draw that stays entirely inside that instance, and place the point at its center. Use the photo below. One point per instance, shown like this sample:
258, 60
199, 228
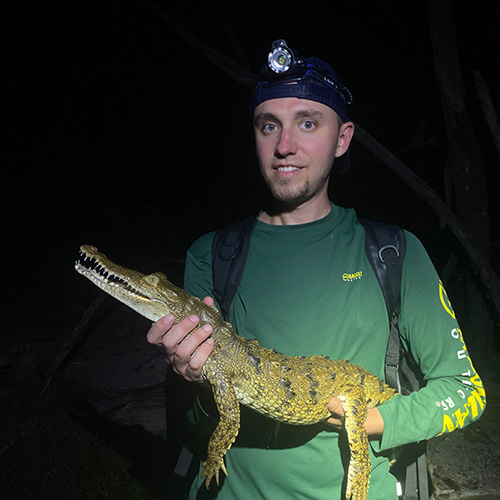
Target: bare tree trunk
465, 162
465, 173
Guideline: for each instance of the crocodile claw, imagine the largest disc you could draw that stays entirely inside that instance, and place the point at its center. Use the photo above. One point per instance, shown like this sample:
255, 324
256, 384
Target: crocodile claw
212, 468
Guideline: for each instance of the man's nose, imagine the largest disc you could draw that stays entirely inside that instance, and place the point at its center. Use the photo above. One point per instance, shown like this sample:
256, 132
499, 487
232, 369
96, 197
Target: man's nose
287, 144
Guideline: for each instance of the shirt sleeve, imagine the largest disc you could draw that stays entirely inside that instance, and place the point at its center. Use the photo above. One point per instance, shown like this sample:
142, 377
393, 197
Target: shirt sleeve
453, 394
198, 271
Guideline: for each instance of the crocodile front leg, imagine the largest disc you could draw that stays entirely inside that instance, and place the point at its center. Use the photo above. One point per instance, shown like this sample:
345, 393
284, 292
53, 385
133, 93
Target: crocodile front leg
358, 474
226, 431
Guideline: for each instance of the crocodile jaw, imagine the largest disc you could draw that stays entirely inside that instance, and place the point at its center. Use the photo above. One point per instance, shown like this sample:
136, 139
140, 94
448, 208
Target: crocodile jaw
136, 290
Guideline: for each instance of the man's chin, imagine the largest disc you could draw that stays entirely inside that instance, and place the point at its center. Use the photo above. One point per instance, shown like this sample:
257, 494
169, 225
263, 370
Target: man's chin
286, 202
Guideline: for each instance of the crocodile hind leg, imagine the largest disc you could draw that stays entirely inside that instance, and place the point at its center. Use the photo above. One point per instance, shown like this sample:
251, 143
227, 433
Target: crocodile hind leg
358, 474
226, 431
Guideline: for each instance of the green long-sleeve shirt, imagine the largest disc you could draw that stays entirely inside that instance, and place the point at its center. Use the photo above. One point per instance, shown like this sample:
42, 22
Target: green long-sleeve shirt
309, 289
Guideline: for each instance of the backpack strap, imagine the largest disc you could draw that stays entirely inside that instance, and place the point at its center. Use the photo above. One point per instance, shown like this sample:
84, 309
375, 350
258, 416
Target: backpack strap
385, 248
229, 254
416, 479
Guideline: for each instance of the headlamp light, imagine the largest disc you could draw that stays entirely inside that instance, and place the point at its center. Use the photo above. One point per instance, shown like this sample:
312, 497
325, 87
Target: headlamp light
283, 62
280, 58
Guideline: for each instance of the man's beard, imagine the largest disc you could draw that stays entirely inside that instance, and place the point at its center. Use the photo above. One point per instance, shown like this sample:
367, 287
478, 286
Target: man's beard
283, 194
288, 197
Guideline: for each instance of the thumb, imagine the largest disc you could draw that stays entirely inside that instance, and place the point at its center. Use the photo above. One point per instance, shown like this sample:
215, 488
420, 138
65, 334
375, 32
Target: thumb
335, 407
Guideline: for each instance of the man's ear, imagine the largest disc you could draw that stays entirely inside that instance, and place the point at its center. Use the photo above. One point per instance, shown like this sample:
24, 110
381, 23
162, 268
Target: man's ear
346, 133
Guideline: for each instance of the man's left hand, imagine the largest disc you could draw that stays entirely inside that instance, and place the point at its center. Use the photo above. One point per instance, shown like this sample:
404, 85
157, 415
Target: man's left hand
374, 423
337, 410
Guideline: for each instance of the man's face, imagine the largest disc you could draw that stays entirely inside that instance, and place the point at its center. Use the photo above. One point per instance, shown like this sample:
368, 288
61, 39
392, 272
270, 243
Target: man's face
297, 141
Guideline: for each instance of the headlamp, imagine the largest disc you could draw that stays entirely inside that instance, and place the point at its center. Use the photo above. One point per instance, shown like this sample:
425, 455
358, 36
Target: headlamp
280, 58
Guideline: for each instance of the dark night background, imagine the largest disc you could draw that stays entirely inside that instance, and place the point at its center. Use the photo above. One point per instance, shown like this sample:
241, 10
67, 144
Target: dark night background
119, 134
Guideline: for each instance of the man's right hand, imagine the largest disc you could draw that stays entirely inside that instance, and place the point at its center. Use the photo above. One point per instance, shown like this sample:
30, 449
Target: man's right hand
187, 347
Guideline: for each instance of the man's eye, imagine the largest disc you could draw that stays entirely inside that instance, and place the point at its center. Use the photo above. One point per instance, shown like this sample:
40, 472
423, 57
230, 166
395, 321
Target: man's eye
269, 127
308, 125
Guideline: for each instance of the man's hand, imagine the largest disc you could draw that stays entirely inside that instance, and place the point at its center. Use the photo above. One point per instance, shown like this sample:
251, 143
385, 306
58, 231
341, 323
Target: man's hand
337, 410
187, 347
374, 423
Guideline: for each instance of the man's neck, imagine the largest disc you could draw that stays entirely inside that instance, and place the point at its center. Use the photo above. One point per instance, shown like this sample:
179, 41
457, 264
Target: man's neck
302, 214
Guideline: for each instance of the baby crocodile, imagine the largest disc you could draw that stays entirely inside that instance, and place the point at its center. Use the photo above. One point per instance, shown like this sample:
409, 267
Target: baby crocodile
295, 390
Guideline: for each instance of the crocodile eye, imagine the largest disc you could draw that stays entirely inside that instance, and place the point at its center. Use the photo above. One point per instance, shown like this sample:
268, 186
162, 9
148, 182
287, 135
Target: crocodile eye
152, 279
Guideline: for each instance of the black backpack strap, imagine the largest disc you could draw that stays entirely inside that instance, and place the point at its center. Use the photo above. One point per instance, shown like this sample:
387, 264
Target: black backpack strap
385, 248
417, 481
229, 253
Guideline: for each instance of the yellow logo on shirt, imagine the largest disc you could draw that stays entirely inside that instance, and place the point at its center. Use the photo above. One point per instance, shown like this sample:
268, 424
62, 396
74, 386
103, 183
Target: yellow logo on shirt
472, 397
445, 301
352, 276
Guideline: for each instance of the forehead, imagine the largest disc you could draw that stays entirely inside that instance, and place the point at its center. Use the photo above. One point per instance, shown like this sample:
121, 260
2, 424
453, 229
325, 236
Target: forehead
291, 107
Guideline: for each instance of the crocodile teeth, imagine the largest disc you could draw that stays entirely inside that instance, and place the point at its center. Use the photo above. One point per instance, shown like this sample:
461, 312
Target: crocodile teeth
99, 272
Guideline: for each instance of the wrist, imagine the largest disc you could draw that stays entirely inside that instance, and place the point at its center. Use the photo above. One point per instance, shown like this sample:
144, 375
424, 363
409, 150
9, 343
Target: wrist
374, 423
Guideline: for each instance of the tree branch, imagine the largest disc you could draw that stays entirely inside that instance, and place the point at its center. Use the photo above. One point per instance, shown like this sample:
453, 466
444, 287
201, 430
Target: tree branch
225, 63
488, 109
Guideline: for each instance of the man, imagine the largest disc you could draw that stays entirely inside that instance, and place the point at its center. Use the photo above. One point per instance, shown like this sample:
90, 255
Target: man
294, 296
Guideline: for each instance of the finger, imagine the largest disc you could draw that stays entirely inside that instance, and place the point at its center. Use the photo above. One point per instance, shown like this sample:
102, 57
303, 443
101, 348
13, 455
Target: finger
159, 328
209, 301
179, 332
186, 349
335, 422
191, 354
198, 360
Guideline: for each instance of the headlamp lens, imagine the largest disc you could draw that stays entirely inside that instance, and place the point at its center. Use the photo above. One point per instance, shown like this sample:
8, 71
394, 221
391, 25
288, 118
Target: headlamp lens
280, 60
